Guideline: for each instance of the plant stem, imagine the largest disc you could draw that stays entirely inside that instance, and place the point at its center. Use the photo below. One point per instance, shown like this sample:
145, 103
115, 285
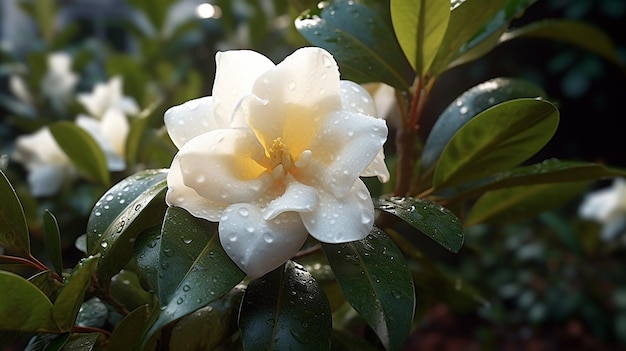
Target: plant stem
33, 263
406, 137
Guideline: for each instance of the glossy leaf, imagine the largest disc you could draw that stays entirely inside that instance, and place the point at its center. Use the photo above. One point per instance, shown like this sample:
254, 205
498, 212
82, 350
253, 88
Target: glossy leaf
82, 342
52, 238
359, 40
147, 251
24, 307
13, 227
496, 140
67, 303
548, 171
466, 19
131, 206
522, 202
467, 106
210, 326
581, 34
45, 282
374, 277
487, 37
47, 342
193, 269
436, 221
420, 26
82, 149
285, 310
127, 333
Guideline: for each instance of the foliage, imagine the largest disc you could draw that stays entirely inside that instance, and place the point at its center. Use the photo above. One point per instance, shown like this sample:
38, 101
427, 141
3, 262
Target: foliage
156, 277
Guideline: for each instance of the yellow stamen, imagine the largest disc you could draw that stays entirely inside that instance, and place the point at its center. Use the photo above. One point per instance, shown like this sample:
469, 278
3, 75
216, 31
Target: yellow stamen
279, 155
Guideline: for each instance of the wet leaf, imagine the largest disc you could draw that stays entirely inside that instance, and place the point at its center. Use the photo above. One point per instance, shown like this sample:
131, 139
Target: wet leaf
82, 149
360, 40
496, 140
210, 326
67, 303
522, 202
147, 251
24, 307
122, 213
467, 106
420, 26
374, 277
52, 239
285, 310
435, 221
82, 342
13, 227
193, 269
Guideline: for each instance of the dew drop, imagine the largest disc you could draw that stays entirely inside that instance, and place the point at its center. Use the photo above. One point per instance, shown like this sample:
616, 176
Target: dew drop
350, 133
97, 213
137, 207
233, 238
104, 244
243, 212
250, 229
109, 197
292, 86
180, 300
186, 240
268, 237
186, 287
463, 110
327, 60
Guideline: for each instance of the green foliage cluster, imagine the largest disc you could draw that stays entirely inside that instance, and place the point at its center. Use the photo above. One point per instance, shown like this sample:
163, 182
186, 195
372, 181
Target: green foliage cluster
156, 277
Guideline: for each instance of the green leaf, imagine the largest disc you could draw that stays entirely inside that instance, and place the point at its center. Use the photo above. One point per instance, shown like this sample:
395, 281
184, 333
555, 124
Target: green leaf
45, 282
210, 326
581, 34
147, 251
466, 19
13, 227
487, 38
127, 333
23, 307
193, 269
359, 40
548, 171
436, 221
67, 303
285, 310
82, 342
467, 106
420, 26
82, 149
52, 239
131, 206
373, 275
522, 202
498, 139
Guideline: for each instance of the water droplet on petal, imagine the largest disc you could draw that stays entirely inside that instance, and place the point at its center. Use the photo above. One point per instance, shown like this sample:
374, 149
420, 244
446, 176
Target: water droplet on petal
292, 86
243, 212
326, 59
268, 237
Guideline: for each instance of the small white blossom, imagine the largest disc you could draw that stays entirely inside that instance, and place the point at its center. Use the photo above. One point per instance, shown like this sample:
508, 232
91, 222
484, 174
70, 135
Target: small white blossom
108, 122
59, 82
607, 207
276, 154
46, 163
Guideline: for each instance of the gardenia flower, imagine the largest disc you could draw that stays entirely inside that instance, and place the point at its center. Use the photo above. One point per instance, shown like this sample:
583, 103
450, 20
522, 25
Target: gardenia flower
46, 163
59, 81
276, 154
108, 122
608, 207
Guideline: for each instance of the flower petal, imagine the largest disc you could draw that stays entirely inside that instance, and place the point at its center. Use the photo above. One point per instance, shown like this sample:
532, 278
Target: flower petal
346, 146
298, 198
298, 94
339, 220
236, 72
258, 246
234, 174
355, 98
39, 148
115, 161
47, 179
188, 120
180, 195
115, 127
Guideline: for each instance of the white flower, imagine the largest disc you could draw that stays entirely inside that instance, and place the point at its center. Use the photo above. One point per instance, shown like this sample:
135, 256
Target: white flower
608, 207
59, 82
108, 123
275, 154
46, 163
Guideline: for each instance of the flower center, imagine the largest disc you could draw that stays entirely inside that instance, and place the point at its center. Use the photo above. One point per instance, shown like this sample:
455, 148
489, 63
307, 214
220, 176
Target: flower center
281, 159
